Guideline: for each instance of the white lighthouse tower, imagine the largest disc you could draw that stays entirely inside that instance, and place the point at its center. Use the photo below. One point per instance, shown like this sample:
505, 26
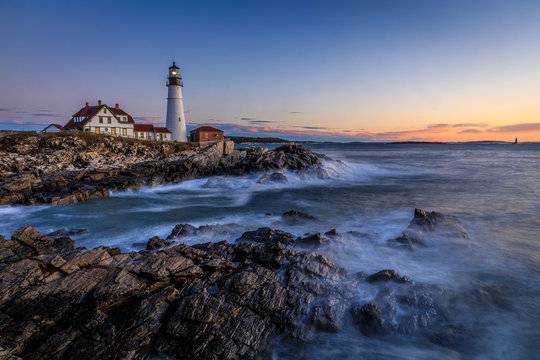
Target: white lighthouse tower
176, 121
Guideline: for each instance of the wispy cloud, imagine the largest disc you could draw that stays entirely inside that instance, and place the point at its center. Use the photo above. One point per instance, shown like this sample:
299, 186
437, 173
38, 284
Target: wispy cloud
5, 109
526, 127
42, 114
471, 131
296, 112
313, 127
146, 118
247, 119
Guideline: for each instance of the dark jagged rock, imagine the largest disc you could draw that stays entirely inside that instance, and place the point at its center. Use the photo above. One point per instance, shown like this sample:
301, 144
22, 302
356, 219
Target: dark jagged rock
212, 300
46, 169
156, 243
63, 243
181, 230
424, 225
431, 221
383, 275
315, 239
294, 214
332, 232
407, 241
273, 178
66, 232
263, 235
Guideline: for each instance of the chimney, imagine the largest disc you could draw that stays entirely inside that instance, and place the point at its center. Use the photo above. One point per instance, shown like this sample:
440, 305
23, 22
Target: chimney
117, 106
87, 104
99, 102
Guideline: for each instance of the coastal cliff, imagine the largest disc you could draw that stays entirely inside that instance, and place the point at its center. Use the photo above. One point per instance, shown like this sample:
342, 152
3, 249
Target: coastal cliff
68, 168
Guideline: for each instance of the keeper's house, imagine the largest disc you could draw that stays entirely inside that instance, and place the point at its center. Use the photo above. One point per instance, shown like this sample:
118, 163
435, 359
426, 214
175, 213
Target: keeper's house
101, 119
206, 135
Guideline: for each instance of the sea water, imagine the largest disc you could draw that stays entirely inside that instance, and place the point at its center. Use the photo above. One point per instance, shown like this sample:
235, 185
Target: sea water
493, 277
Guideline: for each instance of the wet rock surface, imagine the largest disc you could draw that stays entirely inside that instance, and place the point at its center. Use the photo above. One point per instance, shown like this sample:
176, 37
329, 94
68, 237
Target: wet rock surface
424, 224
61, 170
215, 300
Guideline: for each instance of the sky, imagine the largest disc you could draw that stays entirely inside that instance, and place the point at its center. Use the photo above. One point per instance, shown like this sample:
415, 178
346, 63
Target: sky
380, 70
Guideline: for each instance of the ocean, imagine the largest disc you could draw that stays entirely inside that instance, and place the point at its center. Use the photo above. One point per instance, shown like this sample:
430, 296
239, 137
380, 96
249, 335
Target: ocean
492, 278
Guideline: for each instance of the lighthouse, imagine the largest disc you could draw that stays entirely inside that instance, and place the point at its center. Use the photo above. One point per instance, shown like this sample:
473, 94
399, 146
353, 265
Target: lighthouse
176, 121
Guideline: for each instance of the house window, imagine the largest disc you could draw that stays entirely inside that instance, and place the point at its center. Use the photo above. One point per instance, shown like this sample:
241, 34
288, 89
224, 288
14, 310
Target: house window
97, 130
109, 119
124, 132
101, 119
113, 131
147, 135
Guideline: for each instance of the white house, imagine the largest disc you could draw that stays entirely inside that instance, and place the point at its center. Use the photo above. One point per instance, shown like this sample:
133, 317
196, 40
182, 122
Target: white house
101, 119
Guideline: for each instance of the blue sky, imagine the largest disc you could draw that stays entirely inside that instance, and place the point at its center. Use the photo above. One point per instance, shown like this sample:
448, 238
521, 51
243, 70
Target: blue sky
339, 70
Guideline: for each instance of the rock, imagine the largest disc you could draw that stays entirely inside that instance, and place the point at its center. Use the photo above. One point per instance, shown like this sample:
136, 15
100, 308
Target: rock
65, 232
69, 168
156, 243
332, 232
297, 215
181, 230
212, 300
33, 239
406, 241
430, 221
383, 275
272, 178
315, 239
263, 235
63, 243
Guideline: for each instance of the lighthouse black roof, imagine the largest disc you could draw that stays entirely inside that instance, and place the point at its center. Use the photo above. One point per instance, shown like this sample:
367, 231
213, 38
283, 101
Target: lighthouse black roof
174, 66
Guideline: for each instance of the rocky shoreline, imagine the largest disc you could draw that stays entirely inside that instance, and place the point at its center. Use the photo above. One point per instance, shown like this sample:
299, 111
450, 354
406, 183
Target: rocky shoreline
216, 300
68, 168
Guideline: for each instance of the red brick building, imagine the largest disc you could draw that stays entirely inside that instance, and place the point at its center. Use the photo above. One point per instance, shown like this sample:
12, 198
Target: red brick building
205, 134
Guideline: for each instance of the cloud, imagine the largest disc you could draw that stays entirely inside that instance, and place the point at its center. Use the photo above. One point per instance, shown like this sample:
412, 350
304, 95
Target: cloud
260, 121
517, 128
247, 119
5, 109
470, 131
146, 118
25, 123
435, 126
313, 127
470, 125
47, 115
296, 112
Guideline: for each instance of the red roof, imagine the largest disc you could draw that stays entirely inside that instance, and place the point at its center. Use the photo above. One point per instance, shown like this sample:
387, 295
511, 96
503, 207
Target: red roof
58, 126
143, 127
161, 130
90, 111
205, 128
120, 112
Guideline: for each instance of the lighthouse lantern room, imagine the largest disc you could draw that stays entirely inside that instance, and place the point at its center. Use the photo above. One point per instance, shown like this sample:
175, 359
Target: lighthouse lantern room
176, 122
